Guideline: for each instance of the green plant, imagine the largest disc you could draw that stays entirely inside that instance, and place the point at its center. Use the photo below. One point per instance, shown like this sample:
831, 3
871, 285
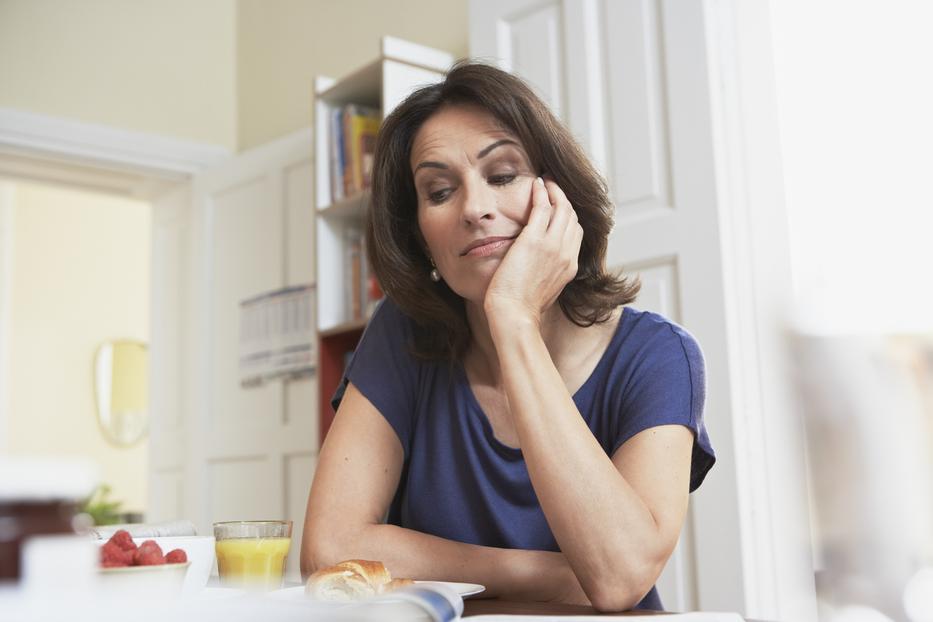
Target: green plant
100, 508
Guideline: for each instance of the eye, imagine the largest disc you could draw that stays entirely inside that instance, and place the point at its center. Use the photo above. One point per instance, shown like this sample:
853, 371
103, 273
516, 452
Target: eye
439, 196
502, 180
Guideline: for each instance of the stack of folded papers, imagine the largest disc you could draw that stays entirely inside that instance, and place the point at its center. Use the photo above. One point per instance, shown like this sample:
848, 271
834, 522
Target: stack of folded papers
148, 530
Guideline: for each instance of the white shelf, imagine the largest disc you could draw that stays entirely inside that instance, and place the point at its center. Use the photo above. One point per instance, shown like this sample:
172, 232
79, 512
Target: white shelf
383, 84
363, 86
346, 327
348, 208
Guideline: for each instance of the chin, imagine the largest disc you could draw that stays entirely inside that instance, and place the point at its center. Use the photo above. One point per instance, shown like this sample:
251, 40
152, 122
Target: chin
472, 285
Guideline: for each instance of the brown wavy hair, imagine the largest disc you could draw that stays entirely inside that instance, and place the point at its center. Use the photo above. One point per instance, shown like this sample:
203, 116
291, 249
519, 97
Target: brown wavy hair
396, 247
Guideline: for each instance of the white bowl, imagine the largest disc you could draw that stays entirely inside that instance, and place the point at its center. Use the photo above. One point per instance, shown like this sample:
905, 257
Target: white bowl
200, 552
161, 580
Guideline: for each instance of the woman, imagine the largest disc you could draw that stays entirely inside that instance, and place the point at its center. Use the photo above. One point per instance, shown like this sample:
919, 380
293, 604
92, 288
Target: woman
506, 421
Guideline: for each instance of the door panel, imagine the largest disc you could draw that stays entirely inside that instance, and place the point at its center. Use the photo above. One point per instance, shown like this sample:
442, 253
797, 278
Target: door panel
531, 42
243, 488
247, 259
638, 160
659, 290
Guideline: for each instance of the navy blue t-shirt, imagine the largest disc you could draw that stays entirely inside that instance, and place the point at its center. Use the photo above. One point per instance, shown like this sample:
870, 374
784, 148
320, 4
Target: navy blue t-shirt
461, 483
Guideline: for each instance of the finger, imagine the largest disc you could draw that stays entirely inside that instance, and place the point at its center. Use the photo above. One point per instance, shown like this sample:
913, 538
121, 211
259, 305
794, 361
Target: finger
541, 208
574, 245
556, 193
564, 214
572, 234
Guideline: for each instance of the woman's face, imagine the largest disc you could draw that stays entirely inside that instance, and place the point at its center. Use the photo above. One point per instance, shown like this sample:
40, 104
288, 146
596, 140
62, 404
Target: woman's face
473, 181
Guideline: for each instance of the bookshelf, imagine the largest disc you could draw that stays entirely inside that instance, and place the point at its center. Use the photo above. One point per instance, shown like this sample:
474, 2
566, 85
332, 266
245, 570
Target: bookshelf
341, 263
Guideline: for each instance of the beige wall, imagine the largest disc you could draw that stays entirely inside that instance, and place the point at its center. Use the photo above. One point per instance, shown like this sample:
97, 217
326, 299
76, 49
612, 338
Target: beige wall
234, 73
284, 44
80, 275
160, 66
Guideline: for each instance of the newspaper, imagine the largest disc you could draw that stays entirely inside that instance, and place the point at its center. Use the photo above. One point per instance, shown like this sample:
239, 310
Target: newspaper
148, 530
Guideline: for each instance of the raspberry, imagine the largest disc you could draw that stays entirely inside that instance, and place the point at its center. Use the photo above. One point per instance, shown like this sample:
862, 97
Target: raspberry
123, 539
148, 554
112, 555
176, 556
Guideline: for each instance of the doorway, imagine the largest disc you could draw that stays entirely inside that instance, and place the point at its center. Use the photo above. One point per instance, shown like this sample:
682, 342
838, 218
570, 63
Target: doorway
75, 275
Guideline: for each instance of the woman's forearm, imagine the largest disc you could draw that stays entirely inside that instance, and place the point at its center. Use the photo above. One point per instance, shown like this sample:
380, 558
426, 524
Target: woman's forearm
512, 573
605, 530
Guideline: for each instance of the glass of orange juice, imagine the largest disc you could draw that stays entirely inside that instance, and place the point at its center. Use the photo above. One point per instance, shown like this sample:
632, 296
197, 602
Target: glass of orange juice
252, 553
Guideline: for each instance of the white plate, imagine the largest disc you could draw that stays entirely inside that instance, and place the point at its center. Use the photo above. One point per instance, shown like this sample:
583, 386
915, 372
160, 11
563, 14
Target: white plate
298, 592
213, 593
464, 589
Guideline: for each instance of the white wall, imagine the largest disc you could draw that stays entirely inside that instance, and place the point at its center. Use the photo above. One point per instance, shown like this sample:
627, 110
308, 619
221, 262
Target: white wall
79, 271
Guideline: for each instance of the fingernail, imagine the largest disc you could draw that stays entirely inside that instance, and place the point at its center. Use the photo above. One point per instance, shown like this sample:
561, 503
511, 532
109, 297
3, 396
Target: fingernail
539, 181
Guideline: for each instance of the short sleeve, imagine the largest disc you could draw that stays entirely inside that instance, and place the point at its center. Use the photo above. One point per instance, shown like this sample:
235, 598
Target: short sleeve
384, 370
667, 385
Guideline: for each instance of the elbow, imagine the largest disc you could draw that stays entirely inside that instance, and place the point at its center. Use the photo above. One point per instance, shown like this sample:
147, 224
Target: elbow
311, 558
613, 599
319, 552
622, 592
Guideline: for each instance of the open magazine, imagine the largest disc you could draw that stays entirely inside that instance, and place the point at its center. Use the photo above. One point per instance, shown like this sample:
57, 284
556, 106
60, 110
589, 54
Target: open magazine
434, 603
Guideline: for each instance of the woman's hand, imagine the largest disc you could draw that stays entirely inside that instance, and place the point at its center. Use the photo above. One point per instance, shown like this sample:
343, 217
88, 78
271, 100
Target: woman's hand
541, 261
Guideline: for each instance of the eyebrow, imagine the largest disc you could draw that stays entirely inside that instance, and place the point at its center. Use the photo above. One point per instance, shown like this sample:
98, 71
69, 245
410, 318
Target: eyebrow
482, 154
498, 143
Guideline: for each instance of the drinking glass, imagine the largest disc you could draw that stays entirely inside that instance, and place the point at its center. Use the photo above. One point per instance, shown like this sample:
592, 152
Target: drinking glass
252, 553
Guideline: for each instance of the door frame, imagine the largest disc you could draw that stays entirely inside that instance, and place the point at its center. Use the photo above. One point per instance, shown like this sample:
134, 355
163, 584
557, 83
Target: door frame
770, 472
6, 274
47, 149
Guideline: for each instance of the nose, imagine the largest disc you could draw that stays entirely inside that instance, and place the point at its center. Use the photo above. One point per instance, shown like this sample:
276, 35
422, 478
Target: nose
477, 203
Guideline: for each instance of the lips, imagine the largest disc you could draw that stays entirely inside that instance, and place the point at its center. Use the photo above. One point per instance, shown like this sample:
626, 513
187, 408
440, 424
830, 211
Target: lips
485, 246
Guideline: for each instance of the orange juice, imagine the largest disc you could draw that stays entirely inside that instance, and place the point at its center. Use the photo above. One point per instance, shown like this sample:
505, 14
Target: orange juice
252, 562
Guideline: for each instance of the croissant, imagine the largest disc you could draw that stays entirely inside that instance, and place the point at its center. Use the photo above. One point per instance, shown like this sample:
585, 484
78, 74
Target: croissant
352, 580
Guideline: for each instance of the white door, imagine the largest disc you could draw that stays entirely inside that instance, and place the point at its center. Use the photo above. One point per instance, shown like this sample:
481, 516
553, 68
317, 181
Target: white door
228, 452
630, 78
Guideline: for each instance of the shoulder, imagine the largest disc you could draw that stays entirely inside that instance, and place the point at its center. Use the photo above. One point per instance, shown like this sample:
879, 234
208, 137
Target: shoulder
388, 312
389, 320
386, 340
650, 336
657, 354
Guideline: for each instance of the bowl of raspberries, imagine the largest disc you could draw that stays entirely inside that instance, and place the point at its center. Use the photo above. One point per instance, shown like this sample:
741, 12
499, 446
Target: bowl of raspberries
128, 565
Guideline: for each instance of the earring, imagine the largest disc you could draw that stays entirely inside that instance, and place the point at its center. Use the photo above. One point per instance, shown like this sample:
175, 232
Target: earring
434, 274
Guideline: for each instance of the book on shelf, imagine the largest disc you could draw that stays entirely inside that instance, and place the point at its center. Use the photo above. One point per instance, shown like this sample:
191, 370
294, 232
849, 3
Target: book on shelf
353, 247
362, 289
370, 291
336, 154
352, 144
